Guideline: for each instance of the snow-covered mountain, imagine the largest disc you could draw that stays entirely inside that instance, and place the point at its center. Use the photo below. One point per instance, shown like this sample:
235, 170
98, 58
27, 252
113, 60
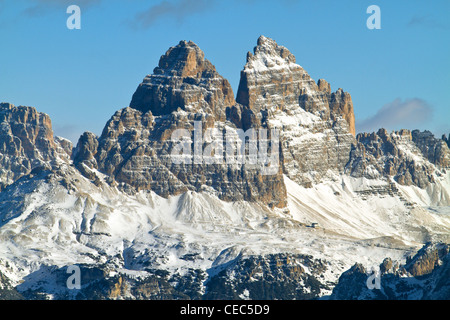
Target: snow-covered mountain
139, 226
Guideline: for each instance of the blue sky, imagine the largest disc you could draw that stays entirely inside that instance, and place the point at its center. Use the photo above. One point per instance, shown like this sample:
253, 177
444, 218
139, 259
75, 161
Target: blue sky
398, 76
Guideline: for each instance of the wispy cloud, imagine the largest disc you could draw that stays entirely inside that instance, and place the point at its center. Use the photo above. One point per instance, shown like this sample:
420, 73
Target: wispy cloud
174, 10
68, 131
398, 114
41, 7
427, 21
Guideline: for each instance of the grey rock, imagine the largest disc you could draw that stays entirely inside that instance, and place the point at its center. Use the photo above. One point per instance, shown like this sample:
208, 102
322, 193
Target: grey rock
423, 277
406, 157
27, 142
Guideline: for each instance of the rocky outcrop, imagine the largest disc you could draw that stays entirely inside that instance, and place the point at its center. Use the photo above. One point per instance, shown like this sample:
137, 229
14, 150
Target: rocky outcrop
185, 93
86, 150
405, 156
265, 277
341, 104
427, 259
184, 80
270, 277
27, 142
271, 80
435, 150
446, 139
423, 277
316, 126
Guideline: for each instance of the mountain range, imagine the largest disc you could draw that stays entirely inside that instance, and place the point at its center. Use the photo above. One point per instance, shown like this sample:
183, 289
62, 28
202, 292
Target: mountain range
143, 221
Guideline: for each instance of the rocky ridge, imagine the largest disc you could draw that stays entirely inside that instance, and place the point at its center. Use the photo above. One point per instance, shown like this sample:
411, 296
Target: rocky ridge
136, 145
184, 80
422, 277
316, 126
410, 158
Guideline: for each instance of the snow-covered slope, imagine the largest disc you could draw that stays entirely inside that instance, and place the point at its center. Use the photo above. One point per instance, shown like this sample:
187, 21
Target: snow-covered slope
61, 219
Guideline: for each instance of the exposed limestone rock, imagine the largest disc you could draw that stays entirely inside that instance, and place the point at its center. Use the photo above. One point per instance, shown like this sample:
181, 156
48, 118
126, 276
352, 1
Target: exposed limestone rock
184, 80
86, 150
406, 157
435, 150
425, 276
26, 143
269, 277
341, 105
427, 259
277, 91
136, 145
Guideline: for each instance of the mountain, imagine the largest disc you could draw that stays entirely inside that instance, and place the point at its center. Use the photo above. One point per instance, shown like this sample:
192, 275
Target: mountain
190, 193
27, 143
423, 276
136, 146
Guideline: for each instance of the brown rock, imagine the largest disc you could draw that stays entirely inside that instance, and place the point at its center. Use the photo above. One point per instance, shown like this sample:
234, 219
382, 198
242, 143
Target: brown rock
341, 105
26, 142
185, 80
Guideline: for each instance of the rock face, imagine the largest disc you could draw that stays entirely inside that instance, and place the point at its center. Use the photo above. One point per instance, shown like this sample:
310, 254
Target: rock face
185, 92
268, 277
423, 277
341, 105
275, 276
316, 126
271, 80
184, 79
27, 142
446, 139
435, 150
407, 157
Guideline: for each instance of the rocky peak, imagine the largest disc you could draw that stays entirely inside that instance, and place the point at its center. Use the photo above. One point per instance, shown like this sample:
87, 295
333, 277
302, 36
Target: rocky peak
341, 105
316, 126
184, 60
446, 139
435, 150
26, 142
423, 277
408, 157
268, 54
184, 80
324, 86
427, 258
135, 148
271, 80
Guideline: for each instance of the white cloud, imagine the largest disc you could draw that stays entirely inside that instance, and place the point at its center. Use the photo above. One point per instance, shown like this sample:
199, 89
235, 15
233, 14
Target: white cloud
177, 10
398, 114
41, 7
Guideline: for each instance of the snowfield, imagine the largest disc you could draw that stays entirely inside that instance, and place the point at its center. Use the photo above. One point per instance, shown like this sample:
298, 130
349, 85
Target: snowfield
43, 222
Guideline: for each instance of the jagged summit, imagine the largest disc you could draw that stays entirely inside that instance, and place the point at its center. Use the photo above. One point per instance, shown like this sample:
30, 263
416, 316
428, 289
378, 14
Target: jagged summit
27, 143
184, 80
268, 54
184, 60
271, 79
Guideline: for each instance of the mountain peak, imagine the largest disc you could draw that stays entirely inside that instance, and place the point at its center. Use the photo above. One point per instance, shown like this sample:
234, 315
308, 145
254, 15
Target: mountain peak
268, 54
184, 60
184, 79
